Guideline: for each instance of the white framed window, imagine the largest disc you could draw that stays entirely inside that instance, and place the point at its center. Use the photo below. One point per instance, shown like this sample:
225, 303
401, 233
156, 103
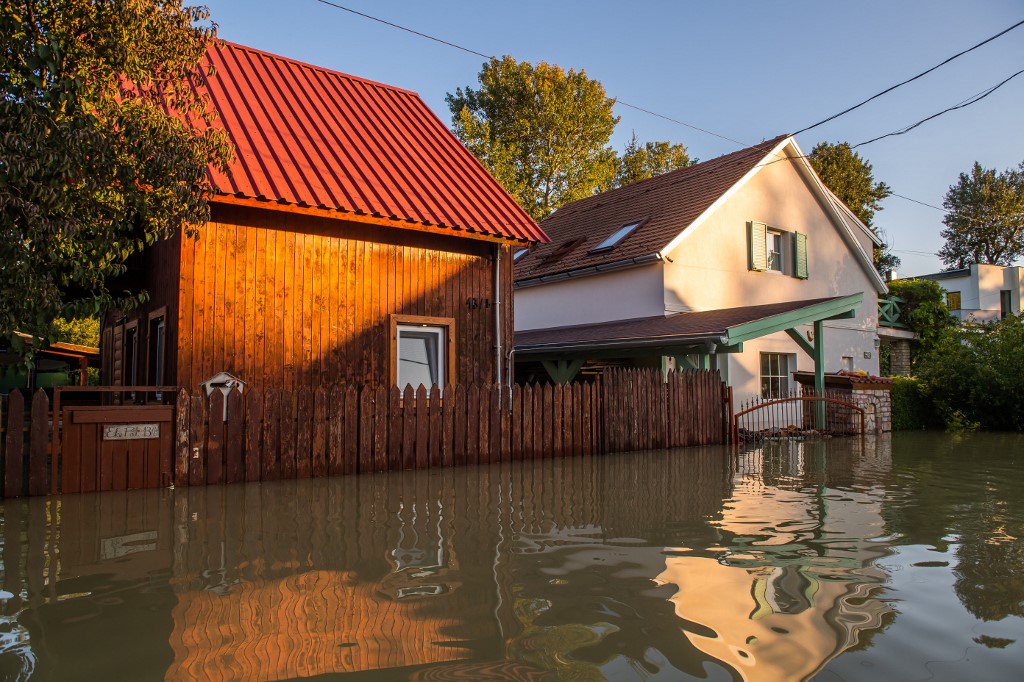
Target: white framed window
773, 249
774, 375
421, 351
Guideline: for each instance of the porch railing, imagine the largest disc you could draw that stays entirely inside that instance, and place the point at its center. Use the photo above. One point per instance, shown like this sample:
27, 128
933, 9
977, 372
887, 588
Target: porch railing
890, 313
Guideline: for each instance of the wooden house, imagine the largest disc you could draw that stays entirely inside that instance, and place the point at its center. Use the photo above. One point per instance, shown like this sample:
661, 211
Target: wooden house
354, 239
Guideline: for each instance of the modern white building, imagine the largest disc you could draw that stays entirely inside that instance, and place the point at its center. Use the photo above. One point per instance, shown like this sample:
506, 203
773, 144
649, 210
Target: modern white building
982, 293
745, 263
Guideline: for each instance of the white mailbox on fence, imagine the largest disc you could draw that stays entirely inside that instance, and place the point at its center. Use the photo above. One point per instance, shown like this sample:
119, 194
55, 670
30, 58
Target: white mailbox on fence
225, 383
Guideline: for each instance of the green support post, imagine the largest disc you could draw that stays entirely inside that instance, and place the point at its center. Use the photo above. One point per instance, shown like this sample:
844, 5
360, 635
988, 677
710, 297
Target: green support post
819, 371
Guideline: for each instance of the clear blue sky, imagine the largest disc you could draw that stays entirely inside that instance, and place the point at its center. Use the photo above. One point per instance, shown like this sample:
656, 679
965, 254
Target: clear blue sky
746, 70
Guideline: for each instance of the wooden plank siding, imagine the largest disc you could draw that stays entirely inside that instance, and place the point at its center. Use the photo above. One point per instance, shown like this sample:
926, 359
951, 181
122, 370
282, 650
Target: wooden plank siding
289, 300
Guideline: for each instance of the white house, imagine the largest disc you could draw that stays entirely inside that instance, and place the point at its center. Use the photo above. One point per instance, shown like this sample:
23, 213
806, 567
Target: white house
745, 263
982, 292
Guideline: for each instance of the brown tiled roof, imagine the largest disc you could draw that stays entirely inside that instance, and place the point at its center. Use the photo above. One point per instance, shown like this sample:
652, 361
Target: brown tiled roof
310, 137
669, 329
669, 203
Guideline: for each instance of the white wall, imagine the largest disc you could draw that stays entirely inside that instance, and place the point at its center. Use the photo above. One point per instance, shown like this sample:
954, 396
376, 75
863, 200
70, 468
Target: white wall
709, 270
617, 295
979, 291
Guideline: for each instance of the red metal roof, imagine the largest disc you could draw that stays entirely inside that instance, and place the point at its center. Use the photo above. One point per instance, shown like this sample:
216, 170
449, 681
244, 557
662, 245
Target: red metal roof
312, 137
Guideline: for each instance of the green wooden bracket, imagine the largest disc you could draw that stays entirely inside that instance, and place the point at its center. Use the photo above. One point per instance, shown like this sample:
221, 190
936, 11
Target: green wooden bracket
801, 341
684, 362
563, 371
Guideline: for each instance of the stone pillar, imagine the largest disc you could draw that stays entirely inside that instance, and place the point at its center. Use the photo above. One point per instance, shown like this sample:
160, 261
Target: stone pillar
899, 357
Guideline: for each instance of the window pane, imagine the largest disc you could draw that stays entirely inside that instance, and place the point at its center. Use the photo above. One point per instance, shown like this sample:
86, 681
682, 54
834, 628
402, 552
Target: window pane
765, 364
419, 358
616, 236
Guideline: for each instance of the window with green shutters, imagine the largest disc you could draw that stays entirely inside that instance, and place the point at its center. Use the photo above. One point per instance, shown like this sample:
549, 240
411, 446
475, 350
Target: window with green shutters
767, 246
800, 255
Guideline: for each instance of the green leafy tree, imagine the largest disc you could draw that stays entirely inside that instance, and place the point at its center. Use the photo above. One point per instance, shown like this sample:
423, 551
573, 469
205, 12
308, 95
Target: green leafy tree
975, 373
924, 309
642, 161
985, 219
83, 331
541, 131
852, 179
104, 149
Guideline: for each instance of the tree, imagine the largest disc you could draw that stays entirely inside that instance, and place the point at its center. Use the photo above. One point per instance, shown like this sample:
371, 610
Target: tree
639, 162
541, 131
104, 149
851, 178
985, 219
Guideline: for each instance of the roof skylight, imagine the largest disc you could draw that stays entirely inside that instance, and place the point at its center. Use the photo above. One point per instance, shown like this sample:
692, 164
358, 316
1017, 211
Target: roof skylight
519, 253
617, 236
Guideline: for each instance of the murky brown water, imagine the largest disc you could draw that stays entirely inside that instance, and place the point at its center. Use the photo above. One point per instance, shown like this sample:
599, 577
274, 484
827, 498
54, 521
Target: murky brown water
899, 560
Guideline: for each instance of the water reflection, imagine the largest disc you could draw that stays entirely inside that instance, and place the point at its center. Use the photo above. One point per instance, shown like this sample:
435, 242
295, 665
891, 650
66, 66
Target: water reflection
792, 582
691, 564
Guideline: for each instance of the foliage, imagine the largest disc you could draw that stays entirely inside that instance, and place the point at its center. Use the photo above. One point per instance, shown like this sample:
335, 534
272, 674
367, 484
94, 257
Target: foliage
850, 177
912, 406
975, 373
985, 223
96, 158
923, 308
541, 131
639, 162
83, 331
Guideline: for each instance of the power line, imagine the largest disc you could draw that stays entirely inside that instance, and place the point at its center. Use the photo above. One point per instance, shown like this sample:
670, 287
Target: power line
909, 80
919, 202
755, 149
966, 103
682, 123
405, 28
491, 56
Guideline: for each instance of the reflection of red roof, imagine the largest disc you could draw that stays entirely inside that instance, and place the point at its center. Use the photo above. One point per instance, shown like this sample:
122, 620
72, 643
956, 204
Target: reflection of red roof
667, 204
311, 137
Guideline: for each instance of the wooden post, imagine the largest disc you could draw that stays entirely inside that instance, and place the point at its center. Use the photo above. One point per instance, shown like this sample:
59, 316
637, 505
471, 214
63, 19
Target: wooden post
181, 439
14, 465
38, 438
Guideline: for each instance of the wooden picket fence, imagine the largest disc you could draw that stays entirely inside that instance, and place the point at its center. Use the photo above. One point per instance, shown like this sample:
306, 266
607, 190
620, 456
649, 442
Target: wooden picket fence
344, 429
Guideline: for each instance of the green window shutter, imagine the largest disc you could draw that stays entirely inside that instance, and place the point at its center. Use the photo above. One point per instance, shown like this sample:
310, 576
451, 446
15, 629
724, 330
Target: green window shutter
800, 255
758, 246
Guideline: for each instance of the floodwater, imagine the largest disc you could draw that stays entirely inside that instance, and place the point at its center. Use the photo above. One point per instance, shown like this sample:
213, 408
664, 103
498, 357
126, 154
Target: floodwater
895, 559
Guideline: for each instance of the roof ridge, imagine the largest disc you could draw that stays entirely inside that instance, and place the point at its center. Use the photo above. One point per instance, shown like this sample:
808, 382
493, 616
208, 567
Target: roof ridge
668, 178
298, 62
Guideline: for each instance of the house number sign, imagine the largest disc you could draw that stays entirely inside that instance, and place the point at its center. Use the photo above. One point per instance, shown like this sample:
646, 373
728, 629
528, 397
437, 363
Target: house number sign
131, 431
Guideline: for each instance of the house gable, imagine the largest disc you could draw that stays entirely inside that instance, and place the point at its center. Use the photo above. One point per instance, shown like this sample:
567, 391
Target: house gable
788, 154
708, 266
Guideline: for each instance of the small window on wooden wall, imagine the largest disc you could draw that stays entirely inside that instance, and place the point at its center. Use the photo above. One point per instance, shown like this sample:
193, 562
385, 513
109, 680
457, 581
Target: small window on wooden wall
156, 357
422, 351
130, 361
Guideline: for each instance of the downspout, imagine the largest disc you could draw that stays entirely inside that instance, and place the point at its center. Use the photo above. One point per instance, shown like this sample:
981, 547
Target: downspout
497, 312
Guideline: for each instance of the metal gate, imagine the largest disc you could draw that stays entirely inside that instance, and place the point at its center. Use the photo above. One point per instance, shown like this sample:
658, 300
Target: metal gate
795, 415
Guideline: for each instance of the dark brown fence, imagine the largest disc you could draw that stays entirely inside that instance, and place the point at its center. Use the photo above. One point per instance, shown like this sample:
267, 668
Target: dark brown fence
337, 430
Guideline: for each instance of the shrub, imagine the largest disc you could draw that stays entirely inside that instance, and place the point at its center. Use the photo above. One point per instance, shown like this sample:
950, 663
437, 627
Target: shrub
912, 406
975, 374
